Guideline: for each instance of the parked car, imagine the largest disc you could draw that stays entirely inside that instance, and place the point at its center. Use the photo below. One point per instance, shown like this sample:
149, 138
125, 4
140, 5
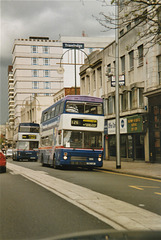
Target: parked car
9, 153
2, 162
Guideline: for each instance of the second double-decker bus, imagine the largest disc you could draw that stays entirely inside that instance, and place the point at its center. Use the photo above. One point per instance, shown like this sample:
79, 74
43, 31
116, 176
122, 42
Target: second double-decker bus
26, 142
71, 132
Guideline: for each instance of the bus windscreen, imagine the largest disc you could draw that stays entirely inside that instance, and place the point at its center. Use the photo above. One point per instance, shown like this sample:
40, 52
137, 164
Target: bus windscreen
84, 107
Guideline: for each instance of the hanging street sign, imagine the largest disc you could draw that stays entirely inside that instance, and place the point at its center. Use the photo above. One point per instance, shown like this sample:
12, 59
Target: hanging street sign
121, 81
73, 45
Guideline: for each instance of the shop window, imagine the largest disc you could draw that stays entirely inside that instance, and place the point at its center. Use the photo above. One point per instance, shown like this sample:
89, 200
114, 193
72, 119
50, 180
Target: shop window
139, 146
123, 148
130, 146
112, 146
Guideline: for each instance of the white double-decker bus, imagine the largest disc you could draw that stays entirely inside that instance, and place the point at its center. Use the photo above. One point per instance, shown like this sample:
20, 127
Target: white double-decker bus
71, 133
26, 142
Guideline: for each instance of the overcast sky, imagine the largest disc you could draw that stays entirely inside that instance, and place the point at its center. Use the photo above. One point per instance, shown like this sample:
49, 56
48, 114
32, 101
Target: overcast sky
24, 18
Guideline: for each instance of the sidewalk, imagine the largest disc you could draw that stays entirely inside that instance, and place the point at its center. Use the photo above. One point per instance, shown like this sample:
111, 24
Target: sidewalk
152, 170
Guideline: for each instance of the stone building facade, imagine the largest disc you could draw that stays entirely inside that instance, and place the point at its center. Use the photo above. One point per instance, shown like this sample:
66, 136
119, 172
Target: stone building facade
139, 94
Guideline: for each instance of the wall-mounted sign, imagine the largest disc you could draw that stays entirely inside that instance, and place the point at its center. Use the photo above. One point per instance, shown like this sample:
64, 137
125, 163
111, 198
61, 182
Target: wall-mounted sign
84, 122
135, 124
111, 125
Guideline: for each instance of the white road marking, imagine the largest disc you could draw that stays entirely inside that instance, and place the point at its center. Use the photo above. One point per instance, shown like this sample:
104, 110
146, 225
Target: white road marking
142, 187
118, 214
158, 193
141, 205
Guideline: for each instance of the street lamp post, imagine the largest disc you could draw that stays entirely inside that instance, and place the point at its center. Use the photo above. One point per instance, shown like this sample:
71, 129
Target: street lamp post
117, 102
73, 46
75, 71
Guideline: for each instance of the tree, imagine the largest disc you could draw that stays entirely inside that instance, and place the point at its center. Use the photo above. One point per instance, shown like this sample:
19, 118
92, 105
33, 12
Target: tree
143, 14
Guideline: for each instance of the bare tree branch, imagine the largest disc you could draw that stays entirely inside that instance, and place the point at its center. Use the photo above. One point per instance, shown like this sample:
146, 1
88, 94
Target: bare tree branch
143, 14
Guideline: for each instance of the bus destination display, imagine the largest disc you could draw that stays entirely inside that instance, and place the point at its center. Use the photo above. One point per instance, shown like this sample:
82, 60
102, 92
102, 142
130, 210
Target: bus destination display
84, 122
28, 136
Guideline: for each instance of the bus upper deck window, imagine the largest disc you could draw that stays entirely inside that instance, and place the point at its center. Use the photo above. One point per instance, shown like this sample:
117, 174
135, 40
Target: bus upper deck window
53, 112
72, 108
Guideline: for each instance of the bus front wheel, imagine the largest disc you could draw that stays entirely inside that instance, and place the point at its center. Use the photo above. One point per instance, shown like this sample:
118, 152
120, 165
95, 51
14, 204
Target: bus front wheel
54, 163
42, 160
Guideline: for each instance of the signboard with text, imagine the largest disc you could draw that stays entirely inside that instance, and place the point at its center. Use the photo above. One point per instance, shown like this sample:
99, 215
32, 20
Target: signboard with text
28, 136
73, 45
111, 126
84, 122
135, 124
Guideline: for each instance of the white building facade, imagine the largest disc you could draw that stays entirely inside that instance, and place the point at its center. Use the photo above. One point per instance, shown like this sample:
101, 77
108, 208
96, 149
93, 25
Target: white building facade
37, 62
10, 123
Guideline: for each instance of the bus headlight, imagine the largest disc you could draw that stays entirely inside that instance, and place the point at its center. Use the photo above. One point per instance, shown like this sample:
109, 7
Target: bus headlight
65, 156
99, 158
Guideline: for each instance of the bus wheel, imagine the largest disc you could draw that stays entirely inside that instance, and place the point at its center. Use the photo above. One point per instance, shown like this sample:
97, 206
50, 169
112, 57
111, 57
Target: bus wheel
54, 163
42, 160
90, 168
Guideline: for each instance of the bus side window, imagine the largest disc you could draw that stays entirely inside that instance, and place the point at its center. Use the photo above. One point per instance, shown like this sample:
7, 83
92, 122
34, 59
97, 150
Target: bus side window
45, 116
61, 107
57, 110
42, 118
53, 112
48, 115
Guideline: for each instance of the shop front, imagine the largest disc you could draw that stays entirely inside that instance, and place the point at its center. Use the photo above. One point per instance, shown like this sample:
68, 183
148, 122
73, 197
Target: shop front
131, 138
155, 128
